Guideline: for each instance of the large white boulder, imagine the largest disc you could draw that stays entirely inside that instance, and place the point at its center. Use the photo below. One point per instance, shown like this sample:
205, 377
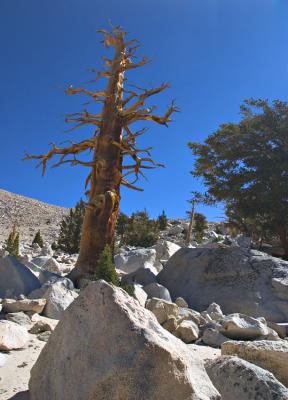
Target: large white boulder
186, 314
12, 336
142, 276
40, 261
156, 290
52, 265
131, 260
165, 249
15, 278
162, 309
116, 349
241, 327
237, 379
176, 230
25, 305
214, 311
19, 318
46, 263
239, 280
57, 296
187, 331
267, 354
140, 295
212, 337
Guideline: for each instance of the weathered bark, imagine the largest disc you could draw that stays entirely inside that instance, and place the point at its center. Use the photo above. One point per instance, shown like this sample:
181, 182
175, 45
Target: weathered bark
101, 213
112, 142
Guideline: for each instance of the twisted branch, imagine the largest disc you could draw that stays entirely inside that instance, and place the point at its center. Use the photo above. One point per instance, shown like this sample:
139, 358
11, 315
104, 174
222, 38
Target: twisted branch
132, 113
76, 148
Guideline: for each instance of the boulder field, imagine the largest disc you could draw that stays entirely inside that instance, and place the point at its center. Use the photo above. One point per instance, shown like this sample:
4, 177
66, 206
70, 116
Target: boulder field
126, 354
238, 279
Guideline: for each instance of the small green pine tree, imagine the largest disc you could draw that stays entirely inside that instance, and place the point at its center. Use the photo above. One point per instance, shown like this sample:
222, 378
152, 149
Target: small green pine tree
38, 239
106, 269
12, 243
162, 221
70, 230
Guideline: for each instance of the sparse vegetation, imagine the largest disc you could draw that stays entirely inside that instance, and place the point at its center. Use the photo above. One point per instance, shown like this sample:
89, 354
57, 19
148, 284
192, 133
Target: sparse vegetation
70, 231
140, 230
12, 243
200, 225
105, 268
162, 221
38, 239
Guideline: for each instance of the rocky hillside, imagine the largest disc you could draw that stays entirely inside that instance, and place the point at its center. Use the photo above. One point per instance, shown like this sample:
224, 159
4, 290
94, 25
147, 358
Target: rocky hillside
29, 215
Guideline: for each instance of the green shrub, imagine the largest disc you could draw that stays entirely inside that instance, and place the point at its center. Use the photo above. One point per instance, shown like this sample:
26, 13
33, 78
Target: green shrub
105, 268
129, 289
38, 239
12, 243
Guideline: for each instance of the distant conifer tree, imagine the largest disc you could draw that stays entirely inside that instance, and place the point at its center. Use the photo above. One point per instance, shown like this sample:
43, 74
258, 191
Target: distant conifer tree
70, 230
200, 225
140, 231
38, 239
12, 243
162, 221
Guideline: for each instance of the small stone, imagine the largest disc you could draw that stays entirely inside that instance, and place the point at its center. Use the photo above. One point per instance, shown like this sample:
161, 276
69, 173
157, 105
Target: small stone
41, 326
12, 336
213, 338
171, 324
187, 331
162, 309
19, 318
25, 305
44, 336
181, 302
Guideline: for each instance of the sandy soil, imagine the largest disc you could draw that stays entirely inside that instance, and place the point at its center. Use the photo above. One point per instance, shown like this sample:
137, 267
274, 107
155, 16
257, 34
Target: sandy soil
15, 373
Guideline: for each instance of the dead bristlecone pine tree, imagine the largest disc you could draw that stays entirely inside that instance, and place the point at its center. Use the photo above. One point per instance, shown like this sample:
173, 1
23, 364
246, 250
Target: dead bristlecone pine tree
111, 143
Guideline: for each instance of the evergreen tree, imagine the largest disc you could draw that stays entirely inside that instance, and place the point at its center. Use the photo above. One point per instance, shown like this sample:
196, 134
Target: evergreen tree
200, 224
122, 223
245, 165
140, 231
105, 268
162, 221
38, 239
12, 243
70, 230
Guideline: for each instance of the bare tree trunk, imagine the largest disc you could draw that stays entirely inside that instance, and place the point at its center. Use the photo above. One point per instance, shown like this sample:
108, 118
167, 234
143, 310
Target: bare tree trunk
112, 141
102, 210
191, 222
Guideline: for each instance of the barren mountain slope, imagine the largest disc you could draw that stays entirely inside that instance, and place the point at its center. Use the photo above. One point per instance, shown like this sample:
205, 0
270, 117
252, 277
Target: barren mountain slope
29, 215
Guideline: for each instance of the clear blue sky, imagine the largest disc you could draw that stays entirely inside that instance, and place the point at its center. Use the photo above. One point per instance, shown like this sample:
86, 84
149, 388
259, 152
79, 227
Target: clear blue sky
214, 53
